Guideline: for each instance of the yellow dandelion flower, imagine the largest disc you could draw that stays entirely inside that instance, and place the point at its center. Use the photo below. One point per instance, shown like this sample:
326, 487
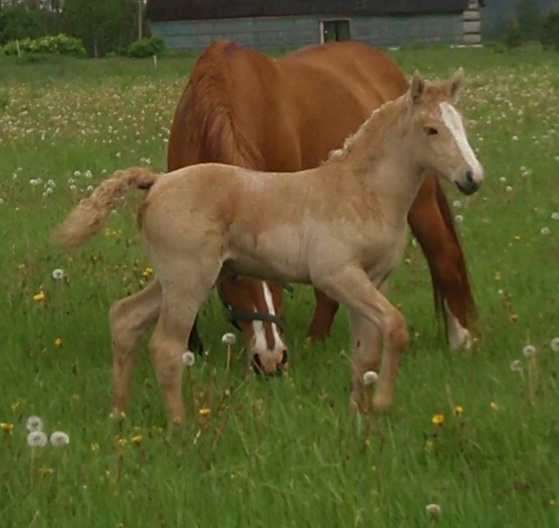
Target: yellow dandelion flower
494, 406
138, 439
121, 442
204, 411
58, 341
438, 419
7, 427
407, 261
147, 273
458, 410
46, 471
39, 296
513, 317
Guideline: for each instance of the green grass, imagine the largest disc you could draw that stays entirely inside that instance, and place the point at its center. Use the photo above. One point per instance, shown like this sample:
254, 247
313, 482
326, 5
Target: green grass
281, 452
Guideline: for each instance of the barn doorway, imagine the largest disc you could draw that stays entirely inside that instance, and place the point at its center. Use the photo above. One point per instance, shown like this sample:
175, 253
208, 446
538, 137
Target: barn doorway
334, 30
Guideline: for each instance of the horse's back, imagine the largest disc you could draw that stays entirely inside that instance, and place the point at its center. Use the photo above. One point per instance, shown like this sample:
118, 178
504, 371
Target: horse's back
244, 108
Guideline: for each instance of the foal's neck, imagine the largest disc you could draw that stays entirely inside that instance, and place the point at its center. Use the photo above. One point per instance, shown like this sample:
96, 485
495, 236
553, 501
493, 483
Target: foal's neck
380, 156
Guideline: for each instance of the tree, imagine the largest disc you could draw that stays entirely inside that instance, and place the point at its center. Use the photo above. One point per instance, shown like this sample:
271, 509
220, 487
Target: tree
17, 23
529, 18
102, 25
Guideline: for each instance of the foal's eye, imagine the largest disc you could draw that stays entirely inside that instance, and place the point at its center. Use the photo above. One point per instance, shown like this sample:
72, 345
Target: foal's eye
430, 131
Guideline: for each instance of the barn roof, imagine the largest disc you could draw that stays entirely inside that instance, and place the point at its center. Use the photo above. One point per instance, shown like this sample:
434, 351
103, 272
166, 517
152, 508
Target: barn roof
169, 10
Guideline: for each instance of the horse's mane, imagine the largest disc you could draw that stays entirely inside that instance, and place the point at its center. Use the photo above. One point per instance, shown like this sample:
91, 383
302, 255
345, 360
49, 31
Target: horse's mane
207, 108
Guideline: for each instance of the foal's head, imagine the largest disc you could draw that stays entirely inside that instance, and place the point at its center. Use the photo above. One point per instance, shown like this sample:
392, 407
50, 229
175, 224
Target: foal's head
441, 141
255, 308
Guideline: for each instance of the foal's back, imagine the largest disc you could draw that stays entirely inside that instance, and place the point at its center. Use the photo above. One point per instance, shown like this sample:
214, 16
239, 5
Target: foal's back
244, 108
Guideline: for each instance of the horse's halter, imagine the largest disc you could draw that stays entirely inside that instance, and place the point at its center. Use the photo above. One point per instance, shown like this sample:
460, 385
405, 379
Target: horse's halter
234, 315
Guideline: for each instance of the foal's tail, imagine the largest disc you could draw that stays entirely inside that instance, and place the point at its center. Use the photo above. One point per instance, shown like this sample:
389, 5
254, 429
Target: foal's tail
90, 215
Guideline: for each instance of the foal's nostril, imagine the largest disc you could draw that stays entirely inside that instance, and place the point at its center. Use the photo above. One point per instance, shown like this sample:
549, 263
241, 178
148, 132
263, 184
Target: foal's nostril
469, 176
284, 357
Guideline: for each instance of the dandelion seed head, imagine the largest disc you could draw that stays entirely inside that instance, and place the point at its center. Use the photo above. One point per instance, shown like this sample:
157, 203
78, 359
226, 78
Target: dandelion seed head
555, 216
433, 510
370, 377
34, 423
229, 338
458, 218
37, 439
516, 365
58, 274
554, 344
59, 438
545, 231
188, 358
529, 351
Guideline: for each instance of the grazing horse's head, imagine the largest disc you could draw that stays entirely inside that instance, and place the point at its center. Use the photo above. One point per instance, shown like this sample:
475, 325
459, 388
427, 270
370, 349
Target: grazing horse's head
442, 143
255, 308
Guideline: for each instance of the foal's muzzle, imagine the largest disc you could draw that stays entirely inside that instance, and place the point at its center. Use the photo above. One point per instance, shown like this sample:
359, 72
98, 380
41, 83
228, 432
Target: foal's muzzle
469, 184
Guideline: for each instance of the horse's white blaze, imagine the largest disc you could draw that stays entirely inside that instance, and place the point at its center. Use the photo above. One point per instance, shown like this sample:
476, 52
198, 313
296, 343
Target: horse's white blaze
453, 121
260, 344
278, 341
458, 336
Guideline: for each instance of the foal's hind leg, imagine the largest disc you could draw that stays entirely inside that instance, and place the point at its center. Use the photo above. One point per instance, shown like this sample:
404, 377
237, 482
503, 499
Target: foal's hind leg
129, 318
432, 224
184, 291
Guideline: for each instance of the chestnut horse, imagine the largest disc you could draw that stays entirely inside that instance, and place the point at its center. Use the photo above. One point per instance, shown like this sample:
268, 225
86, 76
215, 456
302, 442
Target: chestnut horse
341, 227
242, 108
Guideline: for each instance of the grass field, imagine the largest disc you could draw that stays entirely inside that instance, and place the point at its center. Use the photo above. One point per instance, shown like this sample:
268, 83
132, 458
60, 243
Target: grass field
282, 452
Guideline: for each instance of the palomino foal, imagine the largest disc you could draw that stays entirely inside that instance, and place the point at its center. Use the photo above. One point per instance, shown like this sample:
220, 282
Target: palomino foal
341, 227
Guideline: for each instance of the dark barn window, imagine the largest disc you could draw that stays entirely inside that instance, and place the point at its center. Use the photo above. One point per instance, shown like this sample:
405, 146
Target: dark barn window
334, 30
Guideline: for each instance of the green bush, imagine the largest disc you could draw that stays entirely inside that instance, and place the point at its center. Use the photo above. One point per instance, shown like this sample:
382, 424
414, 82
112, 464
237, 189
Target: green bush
146, 47
550, 30
18, 22
50, 44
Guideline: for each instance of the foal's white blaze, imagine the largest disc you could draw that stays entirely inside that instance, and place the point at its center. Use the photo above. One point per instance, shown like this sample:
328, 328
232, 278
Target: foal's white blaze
260, 344
453, 121
458, 336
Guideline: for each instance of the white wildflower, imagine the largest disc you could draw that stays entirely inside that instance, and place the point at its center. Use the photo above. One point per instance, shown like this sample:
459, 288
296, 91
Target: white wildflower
458, 218
37, 439
554, 344
544, 231
555, 216
34, 423
529, 351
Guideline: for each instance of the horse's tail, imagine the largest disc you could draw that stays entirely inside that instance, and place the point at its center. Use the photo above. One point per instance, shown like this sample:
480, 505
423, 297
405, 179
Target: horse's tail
90, 215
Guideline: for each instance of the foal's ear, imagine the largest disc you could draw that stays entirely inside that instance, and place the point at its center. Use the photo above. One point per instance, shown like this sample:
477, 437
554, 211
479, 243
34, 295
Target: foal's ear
454, 85
417, 87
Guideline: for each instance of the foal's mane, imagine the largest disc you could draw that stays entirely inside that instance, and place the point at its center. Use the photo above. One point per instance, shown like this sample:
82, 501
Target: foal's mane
374, 128
208, 108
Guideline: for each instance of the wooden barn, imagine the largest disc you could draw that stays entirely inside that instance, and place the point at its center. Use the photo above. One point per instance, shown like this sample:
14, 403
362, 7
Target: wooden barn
192, 25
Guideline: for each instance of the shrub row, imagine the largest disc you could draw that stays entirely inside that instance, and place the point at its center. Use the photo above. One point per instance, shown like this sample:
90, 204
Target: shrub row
65, 45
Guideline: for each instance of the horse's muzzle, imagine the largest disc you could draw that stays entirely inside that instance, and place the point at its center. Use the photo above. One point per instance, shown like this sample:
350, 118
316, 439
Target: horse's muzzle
268, 370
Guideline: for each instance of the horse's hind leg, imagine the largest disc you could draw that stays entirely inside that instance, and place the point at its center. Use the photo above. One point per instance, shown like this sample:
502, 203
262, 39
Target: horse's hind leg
431, 222
129, 318
323, 316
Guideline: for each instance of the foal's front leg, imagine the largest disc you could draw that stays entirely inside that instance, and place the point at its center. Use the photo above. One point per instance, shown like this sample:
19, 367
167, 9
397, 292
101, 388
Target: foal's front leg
129, 318
351, 286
